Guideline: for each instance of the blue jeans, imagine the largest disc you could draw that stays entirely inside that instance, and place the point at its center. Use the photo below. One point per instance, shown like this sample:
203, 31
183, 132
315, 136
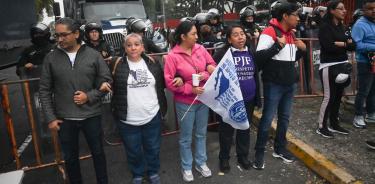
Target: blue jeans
69, 139
366, 89
196, 119
280, 98
142, 146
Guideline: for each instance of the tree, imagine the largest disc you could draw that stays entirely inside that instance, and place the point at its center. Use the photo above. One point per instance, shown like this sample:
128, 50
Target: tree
43, 4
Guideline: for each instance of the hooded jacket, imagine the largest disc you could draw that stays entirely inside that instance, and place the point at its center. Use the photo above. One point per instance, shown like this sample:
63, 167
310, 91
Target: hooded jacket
178, 63
60, 80
328, 35
363, 34
277, 63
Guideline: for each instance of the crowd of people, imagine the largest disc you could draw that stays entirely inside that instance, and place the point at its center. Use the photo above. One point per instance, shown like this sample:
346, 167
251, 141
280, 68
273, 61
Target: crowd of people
77, 72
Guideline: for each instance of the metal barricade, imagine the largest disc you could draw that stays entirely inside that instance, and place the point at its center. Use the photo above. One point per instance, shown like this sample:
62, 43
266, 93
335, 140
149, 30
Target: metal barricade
171, 117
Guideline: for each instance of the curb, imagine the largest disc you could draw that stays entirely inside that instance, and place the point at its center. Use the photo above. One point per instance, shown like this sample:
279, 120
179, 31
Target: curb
312, 158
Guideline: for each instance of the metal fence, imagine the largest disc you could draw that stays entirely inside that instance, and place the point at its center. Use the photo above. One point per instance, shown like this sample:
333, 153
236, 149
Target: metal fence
308, 85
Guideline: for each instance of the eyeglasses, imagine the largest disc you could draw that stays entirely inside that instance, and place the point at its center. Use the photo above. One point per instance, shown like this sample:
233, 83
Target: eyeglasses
58, 35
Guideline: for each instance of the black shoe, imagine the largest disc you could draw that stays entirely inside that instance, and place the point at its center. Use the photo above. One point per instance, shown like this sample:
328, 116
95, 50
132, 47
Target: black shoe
324, 132
284, 155
338, 129
370, 144
224, 166
259, 161
244, 163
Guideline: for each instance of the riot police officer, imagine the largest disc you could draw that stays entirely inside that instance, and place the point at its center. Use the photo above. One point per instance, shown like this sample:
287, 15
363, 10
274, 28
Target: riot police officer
31, 59
30, 66
134, 25
94, 39
247, 19
214, 20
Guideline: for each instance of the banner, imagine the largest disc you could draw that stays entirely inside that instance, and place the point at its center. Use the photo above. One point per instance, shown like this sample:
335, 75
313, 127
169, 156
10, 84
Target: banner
223, 95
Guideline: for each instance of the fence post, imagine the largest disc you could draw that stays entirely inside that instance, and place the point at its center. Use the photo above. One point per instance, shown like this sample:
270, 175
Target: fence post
32, 123
9, 122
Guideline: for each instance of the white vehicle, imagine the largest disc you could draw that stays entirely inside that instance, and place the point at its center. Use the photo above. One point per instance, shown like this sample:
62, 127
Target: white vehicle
111, 14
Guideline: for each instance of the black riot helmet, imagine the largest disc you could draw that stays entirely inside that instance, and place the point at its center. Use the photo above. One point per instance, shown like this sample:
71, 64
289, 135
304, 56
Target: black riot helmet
134, 25
247, 12
93, 26
40, 34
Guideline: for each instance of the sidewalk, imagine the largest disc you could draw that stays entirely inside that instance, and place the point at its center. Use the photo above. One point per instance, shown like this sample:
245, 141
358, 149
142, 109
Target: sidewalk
347, 151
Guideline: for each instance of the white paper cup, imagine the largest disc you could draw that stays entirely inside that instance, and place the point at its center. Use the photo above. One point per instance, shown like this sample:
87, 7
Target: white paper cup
195, 78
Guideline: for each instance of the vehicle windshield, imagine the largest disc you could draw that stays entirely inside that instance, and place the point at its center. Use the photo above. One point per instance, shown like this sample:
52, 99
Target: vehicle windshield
105, 11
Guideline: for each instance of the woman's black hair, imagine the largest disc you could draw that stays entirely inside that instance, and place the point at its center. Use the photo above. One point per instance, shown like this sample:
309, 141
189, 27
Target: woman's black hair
73, 26
228, 33
182, 29
328, 17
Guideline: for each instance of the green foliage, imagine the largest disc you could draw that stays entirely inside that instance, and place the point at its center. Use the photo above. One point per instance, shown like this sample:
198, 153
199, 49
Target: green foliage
40, 5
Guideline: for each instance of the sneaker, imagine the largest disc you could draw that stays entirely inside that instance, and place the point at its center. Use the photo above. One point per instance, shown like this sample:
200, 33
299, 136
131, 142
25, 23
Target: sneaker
370, 144
155, 179
259, 161
284, 155
137, 180
204, 170
359, 122
187, 175
244, 163
338, 129
224, 166
324, 132
370, 118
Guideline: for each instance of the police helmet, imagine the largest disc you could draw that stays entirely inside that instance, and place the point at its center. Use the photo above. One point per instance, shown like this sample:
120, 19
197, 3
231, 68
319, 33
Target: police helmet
357, 14
134, 25
319, 9
40, 29
213, 13
200, 18
191, 19
247, 12
93, 26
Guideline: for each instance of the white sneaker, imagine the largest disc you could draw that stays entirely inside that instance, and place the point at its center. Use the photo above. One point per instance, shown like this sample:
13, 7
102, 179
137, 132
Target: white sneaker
370, 118
359, 122
204, 170
187, 175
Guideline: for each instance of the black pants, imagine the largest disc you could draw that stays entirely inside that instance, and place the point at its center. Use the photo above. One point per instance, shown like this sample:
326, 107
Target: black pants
242, 136
69, 139
332, 96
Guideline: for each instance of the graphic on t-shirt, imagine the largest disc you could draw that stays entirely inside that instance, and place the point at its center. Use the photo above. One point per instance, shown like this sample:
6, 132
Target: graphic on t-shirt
139, 78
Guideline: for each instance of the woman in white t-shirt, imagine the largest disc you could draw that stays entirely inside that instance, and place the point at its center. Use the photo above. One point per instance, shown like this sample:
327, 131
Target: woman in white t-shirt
139, 104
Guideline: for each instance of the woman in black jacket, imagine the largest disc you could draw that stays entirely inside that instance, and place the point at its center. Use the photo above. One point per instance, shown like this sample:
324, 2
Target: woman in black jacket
243, 58
334, 68
139, 104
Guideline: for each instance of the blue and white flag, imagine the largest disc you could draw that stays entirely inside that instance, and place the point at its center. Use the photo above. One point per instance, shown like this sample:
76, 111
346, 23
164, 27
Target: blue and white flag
223, 95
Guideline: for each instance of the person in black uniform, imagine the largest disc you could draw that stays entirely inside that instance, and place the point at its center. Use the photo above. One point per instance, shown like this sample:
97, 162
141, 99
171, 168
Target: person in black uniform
138, 26
213, 20
32, 57
30, 66
247, 19
94, 39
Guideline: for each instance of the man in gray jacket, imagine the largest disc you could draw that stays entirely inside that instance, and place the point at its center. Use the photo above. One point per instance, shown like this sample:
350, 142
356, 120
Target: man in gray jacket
70, 90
